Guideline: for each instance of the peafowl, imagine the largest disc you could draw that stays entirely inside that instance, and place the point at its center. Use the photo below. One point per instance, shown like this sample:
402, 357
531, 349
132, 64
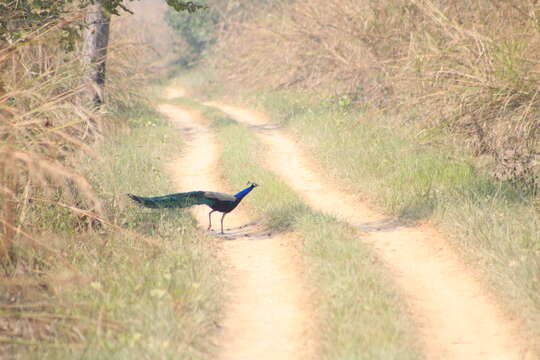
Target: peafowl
221, 202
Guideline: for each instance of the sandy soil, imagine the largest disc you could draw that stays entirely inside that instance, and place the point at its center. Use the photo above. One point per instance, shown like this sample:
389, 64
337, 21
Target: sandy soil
456, 317
267, 314
174, 92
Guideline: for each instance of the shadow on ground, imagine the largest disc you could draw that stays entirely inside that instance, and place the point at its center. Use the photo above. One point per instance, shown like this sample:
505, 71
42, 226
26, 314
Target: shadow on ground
252, 231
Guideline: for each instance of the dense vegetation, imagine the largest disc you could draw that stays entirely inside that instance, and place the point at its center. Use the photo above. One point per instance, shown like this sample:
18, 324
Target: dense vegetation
81, 272
199, 33
453, 67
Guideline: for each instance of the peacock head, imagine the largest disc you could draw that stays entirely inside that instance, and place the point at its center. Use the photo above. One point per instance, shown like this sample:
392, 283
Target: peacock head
241, 194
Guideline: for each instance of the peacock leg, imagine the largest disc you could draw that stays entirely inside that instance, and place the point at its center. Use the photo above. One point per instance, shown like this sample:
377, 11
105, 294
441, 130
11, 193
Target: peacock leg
222, 222
210, 219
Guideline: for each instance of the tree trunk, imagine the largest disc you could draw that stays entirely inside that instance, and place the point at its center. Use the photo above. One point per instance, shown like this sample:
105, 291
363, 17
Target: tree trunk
95, 41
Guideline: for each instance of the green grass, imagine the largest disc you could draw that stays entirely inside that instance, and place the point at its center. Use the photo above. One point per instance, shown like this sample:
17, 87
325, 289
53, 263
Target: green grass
145, 286
495, 227
361, 316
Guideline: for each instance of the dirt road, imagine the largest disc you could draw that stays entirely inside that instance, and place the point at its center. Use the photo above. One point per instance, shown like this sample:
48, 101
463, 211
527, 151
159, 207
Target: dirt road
267, 314
455, 316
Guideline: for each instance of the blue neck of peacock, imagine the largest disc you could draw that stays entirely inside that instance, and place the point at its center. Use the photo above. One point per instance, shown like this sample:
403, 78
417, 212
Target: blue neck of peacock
244, 192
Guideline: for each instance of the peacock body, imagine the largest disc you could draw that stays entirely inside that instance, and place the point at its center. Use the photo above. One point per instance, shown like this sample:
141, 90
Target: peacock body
221, 202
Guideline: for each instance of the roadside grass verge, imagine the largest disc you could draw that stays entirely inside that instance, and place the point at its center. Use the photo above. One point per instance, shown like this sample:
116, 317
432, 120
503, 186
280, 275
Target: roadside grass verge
359, 313
144, 284
494, 226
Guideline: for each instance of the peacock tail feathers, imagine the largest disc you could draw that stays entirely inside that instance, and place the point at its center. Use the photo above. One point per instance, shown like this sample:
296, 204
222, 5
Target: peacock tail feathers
180, 200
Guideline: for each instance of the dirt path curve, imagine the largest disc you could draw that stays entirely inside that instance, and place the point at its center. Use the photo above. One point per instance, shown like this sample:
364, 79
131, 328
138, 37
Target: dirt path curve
456, 318
267, 313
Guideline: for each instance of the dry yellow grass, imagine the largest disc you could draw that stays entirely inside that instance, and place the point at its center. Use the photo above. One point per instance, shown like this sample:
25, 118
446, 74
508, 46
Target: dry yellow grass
81, 272
45, 126
467, 68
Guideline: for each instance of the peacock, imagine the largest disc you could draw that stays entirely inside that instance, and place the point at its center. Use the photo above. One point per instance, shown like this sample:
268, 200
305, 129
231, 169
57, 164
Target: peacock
217, 201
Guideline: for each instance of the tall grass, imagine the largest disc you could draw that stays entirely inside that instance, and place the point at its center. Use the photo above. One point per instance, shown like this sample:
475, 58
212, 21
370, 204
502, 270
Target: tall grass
467, 69
144, 286
84, 273
361, 315
46, 125
42, 127
492, 224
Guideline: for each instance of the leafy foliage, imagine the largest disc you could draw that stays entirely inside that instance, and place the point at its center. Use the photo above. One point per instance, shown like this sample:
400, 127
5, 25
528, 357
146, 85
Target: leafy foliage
19, 19
188, 6
198, 31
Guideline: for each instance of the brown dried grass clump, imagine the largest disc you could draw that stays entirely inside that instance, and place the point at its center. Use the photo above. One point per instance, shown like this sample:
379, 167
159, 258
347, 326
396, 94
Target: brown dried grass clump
42, 130
46, 125
335, 46
469, 67
475, 71
48, 208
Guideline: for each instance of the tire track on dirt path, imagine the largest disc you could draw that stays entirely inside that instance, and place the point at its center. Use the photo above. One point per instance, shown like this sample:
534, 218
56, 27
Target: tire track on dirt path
267, 311
455, 317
